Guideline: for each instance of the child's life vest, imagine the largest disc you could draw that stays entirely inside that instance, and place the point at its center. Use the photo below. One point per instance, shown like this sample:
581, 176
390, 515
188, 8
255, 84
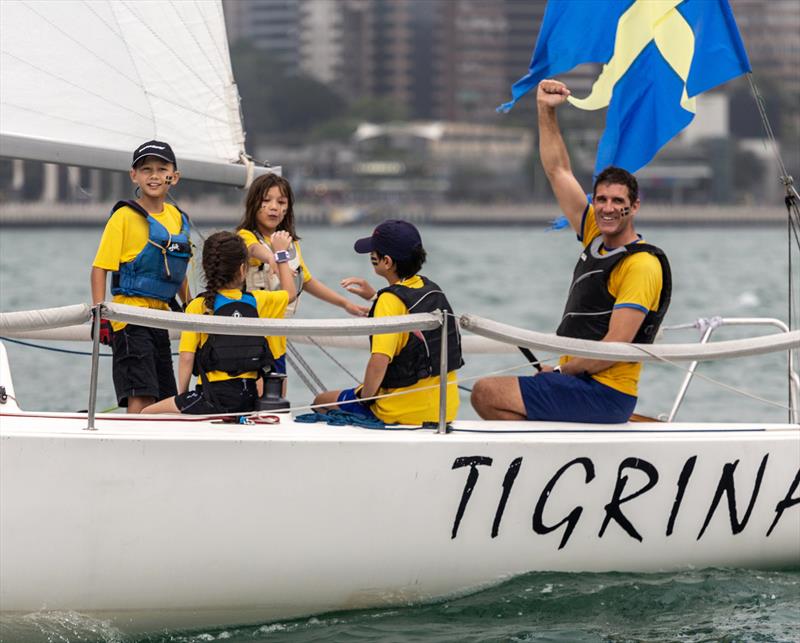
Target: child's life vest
234, 354
159, 269
261, 278
419, 358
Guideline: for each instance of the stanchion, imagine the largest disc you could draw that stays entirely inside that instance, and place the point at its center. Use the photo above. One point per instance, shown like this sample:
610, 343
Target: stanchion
96, 319
443, 377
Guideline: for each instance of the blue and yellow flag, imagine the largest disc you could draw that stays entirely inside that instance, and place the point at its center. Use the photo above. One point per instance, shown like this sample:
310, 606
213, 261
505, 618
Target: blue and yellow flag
657, 54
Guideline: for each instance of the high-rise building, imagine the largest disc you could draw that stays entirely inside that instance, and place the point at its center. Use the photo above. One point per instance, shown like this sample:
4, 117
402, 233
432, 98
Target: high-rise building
360, 48
457, 59
472, 77
272, 25
321, 43
771, 33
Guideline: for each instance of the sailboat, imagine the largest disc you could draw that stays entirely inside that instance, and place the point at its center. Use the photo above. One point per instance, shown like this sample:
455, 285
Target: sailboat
188, 522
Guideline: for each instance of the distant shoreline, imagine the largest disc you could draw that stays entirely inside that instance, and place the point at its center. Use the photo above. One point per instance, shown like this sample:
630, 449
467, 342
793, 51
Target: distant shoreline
211, 214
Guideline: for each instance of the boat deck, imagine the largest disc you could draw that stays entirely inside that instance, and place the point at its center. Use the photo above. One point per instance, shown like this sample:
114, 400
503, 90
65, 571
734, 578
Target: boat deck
284, 428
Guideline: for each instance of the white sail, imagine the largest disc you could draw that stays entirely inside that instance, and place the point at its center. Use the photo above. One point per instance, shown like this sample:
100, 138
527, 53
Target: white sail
84, 83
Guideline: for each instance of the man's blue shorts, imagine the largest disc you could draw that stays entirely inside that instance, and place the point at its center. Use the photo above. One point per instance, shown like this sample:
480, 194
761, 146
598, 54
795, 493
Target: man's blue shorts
280, 365
567, 398
348, 401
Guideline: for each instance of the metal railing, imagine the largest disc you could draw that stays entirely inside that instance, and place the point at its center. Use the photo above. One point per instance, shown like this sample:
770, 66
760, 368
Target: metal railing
255, 327
708, 327
788, 340
497, 335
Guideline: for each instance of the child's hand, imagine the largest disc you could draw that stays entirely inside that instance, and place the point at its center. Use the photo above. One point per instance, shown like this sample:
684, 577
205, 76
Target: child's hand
356, 310
272, 266
358, 286
280, 240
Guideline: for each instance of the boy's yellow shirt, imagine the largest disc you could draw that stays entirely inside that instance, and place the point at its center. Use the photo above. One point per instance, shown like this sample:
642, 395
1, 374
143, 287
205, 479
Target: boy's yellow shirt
270, 304
124, 236
419, 402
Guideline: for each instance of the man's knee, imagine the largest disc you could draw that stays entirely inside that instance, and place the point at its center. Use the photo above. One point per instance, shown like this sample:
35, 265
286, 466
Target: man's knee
483, 394
498, 398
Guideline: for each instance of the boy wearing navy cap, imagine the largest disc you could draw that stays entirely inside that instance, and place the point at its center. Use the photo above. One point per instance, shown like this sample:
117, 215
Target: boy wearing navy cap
403, 367
146, 247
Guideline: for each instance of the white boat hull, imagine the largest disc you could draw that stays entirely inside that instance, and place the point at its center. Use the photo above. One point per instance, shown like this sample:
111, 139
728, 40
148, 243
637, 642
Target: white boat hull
179, 524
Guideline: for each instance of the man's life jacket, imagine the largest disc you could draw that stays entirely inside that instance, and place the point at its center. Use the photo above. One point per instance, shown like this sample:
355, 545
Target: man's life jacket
159, 269
260, 278
587, 313
419, 358
234, 354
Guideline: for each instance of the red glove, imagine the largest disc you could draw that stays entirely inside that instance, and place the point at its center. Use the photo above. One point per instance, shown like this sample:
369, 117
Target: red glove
106, 332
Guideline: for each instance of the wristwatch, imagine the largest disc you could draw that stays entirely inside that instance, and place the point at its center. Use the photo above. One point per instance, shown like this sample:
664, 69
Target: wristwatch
557, 369
282, 256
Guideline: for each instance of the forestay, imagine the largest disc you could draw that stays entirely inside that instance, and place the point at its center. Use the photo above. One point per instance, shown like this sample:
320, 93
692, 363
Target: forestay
149, 70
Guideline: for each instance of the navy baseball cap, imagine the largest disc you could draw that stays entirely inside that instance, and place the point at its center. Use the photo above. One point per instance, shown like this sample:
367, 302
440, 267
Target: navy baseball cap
394, 237
154, 148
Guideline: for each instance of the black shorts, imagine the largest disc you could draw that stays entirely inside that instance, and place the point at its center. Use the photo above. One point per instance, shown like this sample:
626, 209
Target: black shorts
142, 363
238, 395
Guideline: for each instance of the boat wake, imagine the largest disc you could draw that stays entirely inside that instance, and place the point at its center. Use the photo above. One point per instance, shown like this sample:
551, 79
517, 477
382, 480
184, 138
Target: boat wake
57, 627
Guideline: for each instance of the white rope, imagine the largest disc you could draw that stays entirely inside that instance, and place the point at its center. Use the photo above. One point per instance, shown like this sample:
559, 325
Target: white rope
46, 318
265, 326
249, 167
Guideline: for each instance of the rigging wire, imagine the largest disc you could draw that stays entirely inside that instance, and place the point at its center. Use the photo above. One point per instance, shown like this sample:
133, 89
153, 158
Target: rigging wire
292, 351
333, 359
792, 202
302, 375
50, 348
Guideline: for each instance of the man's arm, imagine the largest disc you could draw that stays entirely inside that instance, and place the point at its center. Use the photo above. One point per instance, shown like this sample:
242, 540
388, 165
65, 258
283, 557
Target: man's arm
553, 152
622, 327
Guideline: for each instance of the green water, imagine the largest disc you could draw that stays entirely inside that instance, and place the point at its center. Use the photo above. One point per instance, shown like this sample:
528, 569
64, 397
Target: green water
723, 605
709, 605
518, 276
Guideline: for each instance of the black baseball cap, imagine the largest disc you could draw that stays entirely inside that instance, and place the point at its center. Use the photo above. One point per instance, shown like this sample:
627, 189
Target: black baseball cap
394, 237
155, 148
